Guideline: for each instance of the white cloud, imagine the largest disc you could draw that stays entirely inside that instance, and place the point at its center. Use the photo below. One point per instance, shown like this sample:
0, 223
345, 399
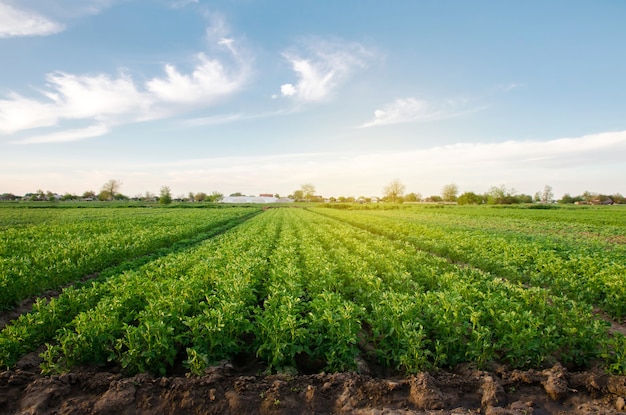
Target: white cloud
15, 22
117, 100
404, 110
321, 67
75, 97
208, 81
287, 90
67, 135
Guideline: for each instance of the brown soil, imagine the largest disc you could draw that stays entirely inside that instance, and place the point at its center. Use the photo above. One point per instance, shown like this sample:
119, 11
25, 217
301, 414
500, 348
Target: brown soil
225, 389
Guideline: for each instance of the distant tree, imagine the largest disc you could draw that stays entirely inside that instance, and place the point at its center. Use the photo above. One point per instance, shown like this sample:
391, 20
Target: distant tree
236, 194
215, 197
500, 195
547, 195
102, 196
434, 198
89, 194
588, 196
149, 196
394, 191
308, 191
68, 196
191, 197
413, 197
618, 198
449, 192
200, 196
298, 195
110, 189
470, 198
165, 196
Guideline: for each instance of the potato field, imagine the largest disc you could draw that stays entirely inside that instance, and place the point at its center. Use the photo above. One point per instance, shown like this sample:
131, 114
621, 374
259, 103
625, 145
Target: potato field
399, 290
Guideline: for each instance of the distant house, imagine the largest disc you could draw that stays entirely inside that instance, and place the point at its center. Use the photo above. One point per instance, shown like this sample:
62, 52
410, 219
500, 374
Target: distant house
8, 196
255, 199
266, 195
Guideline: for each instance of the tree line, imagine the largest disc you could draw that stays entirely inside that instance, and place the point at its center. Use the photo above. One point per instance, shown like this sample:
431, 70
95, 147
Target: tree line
394, 192
496, 195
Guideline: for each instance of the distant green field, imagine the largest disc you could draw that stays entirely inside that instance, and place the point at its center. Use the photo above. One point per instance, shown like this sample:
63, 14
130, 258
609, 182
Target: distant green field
310, 289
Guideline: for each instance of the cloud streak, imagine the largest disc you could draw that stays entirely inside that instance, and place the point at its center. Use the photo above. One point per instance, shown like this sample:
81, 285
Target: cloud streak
405, 110
16, 22
67, 135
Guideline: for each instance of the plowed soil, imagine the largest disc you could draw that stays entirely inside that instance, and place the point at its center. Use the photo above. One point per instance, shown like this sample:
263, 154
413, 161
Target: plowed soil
226, 389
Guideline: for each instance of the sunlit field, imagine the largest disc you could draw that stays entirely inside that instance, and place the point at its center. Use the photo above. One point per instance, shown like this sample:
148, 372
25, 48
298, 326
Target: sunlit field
310, 289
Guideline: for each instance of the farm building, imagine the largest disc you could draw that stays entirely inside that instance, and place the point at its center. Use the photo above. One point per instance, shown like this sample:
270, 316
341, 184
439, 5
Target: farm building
255, 199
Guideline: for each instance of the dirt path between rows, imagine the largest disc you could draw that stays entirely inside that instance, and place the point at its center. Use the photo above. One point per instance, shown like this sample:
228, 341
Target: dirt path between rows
228, 390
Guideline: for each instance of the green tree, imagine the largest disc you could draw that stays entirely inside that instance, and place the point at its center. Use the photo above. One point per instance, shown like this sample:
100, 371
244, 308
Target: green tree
165, 197
200, 196
215, 197
413, 197
500, 195
298, 195
89, 194
470, 198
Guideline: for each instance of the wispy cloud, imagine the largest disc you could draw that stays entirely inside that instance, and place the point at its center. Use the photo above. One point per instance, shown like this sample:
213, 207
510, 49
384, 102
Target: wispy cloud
16, 22
404, 110
113, 100
177, 4
321, 66
67, 135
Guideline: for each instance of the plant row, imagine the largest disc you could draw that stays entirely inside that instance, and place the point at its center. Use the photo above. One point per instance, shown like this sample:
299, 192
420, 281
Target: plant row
74, 243
591, 272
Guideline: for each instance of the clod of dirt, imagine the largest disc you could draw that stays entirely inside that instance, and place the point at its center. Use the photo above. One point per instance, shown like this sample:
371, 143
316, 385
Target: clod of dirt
119, 397
517, 408
617, 386
424, 393
41, 395
555, 382
493, 392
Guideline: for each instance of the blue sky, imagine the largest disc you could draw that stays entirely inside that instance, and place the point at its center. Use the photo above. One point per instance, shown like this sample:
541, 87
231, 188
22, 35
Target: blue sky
260, 96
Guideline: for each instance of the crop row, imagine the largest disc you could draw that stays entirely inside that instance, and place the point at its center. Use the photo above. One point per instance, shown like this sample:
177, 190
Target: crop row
303, 291
589, 272
73, 243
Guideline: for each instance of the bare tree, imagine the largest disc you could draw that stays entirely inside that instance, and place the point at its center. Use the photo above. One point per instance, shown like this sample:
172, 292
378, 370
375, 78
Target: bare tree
449, 192
308, 191
547, 195
394, 191
110, 189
